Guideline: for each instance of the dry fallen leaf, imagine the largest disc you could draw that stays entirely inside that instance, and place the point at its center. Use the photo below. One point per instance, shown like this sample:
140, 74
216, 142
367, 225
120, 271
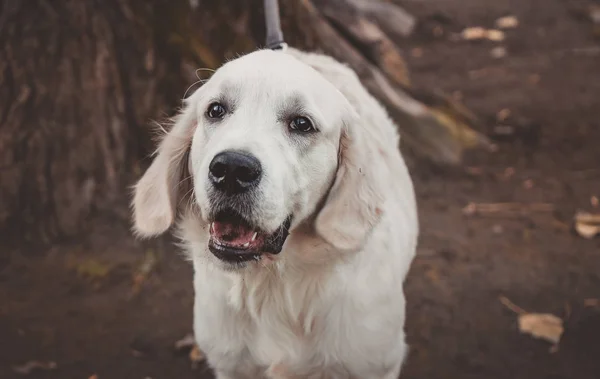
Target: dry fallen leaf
196, 356
587, 225
587, 231
29, 367
503, 114
588, 218
186, 342
542, 326
507, 22
509, 172
92, 269
495, 35
473, 33
479, 33
144, 271
498, 52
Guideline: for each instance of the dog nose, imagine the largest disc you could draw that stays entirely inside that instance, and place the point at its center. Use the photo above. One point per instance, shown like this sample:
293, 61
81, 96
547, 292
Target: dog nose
234, 171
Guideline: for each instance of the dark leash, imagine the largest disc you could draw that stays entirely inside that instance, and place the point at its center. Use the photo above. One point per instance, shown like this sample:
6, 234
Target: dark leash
273, 24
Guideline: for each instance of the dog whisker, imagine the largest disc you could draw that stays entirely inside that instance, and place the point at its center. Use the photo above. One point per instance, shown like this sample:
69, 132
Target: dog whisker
187, 197
269, 269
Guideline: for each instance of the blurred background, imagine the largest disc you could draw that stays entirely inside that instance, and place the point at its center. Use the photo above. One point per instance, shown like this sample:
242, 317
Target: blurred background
498, 104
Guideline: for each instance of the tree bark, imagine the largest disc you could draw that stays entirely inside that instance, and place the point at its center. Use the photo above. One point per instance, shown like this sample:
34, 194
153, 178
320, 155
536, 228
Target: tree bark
81, 80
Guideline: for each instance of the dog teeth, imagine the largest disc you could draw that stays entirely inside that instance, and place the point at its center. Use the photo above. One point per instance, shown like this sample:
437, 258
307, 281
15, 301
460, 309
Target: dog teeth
254, 236
212, 228
246, 244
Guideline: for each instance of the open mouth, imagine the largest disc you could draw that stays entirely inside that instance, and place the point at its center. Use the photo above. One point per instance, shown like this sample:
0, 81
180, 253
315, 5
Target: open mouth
235, 240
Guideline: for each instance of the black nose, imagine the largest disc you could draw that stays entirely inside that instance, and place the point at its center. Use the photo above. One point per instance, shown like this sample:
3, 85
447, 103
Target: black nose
234, 171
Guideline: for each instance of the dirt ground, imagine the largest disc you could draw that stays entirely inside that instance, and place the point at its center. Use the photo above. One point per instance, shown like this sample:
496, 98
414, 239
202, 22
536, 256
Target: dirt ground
78, 305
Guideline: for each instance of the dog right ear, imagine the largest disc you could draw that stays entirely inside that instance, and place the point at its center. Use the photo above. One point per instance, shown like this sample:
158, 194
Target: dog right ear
356, 200
157, 193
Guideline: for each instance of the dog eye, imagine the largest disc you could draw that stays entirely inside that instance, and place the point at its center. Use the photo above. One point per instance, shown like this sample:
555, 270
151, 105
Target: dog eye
302, 124
215, 110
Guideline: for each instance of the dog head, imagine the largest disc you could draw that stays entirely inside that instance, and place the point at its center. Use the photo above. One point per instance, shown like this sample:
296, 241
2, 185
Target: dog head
267, 144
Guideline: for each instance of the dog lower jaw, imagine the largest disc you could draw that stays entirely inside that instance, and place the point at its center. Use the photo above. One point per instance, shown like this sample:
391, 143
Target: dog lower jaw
237, 268
235, 257
232, 255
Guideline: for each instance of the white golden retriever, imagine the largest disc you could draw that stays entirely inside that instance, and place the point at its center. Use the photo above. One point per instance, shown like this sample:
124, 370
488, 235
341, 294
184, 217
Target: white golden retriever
299, 215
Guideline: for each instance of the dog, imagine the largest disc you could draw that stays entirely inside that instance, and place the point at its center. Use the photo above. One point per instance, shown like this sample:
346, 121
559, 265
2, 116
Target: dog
295, 206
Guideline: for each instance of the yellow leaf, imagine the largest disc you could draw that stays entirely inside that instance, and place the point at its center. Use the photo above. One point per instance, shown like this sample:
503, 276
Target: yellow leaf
507, 22
93, 269
542, 326
473, 33
586, 230
495, 35
587, 225
196, 356
479, 33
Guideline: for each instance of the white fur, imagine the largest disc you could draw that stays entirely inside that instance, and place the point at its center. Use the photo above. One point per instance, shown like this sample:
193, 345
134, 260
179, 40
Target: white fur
331, 304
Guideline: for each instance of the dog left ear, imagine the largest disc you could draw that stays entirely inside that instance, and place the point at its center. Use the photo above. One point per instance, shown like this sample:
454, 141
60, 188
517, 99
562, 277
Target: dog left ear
158, 191
356, 200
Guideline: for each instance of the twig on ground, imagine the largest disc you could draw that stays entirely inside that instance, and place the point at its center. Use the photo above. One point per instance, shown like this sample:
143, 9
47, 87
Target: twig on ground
589, 50
512, 306
29, 367
510, 208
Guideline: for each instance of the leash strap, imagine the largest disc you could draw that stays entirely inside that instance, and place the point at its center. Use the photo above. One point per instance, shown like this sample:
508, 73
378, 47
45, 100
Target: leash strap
273, 24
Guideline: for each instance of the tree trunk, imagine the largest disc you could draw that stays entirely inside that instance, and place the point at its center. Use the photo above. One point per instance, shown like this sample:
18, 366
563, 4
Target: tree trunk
81, 80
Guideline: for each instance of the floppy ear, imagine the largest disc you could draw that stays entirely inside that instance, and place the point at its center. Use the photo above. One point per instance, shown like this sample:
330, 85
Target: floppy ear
158, 191
356, 200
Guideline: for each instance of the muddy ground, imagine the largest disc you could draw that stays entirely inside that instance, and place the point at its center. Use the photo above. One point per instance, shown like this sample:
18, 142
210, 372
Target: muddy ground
77, 305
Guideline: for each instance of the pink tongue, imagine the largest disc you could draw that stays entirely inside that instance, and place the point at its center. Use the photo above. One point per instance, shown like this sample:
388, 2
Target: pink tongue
232, 234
